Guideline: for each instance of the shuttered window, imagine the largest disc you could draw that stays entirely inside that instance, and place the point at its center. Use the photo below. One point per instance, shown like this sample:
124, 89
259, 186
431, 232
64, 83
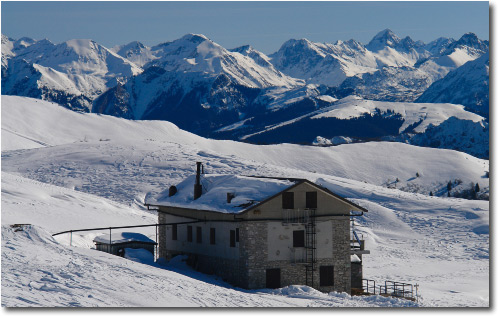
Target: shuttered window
298, 238
199, 235
311, 200
174, 233
189, 233
288, 200
212, 236
326, 275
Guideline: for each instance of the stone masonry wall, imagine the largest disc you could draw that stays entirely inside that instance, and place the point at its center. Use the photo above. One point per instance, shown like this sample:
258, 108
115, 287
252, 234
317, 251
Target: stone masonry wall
254, 247
341, 255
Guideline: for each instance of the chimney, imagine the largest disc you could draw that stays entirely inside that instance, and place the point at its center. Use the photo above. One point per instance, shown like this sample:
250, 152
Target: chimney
197, 185
230, 196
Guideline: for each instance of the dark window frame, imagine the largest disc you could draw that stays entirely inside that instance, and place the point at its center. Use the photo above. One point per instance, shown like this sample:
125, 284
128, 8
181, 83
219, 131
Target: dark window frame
298, 239
312, 199
288, 200
326, 275
212, 236
189, 233
174, 232
237, 235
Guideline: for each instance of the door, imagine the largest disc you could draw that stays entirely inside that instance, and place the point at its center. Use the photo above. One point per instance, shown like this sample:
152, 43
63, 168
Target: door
273, 278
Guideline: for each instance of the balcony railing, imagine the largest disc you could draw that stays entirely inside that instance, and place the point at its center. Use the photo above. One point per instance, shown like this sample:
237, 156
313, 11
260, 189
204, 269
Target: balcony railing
296, 216
298, 255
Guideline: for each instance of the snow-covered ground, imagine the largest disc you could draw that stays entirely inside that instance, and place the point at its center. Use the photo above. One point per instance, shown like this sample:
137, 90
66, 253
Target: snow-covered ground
63, 170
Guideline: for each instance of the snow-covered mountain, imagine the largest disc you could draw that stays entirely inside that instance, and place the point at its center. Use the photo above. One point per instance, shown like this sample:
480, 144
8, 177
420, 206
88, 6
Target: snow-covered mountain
440, 125
194, 53
418, 66
327, 64
207, 89
196, 84
72, 73
467, 85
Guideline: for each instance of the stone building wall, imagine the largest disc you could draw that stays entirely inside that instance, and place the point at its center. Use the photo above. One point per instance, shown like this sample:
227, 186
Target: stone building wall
254, 248
248, 270
342, 255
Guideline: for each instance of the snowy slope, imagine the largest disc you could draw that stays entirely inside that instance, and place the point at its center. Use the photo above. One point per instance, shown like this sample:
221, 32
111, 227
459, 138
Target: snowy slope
440, 243
424, 114
37, 271
98, 133
467, 85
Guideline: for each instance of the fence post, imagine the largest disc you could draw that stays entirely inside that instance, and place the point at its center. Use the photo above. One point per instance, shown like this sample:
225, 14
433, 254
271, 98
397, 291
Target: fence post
416, 291
110, 241
71, 240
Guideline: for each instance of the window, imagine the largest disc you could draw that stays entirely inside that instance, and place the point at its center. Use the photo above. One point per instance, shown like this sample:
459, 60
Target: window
232, 238
174, 235
199, 235
298, 238
273, 278
189, 233
212, 236
326, 275
236, 235
288, 200
311, 200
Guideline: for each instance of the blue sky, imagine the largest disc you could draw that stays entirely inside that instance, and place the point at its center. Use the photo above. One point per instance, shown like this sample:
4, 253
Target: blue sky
264, 25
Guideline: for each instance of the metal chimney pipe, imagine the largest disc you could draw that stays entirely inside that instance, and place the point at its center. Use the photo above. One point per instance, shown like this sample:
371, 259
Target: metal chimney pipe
197, 185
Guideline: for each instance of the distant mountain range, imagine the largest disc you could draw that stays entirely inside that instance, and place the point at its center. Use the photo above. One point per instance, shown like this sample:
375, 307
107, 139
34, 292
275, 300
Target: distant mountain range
244, 94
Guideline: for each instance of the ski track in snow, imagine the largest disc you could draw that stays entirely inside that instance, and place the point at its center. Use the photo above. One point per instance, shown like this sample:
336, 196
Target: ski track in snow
95, 181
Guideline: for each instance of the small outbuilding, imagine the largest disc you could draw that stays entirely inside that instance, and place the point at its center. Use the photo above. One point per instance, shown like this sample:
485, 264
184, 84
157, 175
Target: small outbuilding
117, 243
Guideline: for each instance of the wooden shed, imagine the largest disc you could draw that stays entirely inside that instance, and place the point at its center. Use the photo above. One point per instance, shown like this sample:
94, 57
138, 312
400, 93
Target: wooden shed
117, 243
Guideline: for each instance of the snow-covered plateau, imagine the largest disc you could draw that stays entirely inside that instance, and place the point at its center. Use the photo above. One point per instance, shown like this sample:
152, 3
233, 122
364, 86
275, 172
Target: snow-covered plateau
63, 170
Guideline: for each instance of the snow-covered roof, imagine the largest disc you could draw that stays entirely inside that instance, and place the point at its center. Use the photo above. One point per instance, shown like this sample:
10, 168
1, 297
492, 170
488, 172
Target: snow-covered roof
123, 237
247, 191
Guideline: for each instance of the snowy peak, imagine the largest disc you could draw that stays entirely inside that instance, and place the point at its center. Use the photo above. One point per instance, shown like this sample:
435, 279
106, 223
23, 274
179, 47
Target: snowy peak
132, 48
438, 46
385, 38
135, 52
260, 58
407, 43
470, 42
244, 50
301, 48
197, 54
